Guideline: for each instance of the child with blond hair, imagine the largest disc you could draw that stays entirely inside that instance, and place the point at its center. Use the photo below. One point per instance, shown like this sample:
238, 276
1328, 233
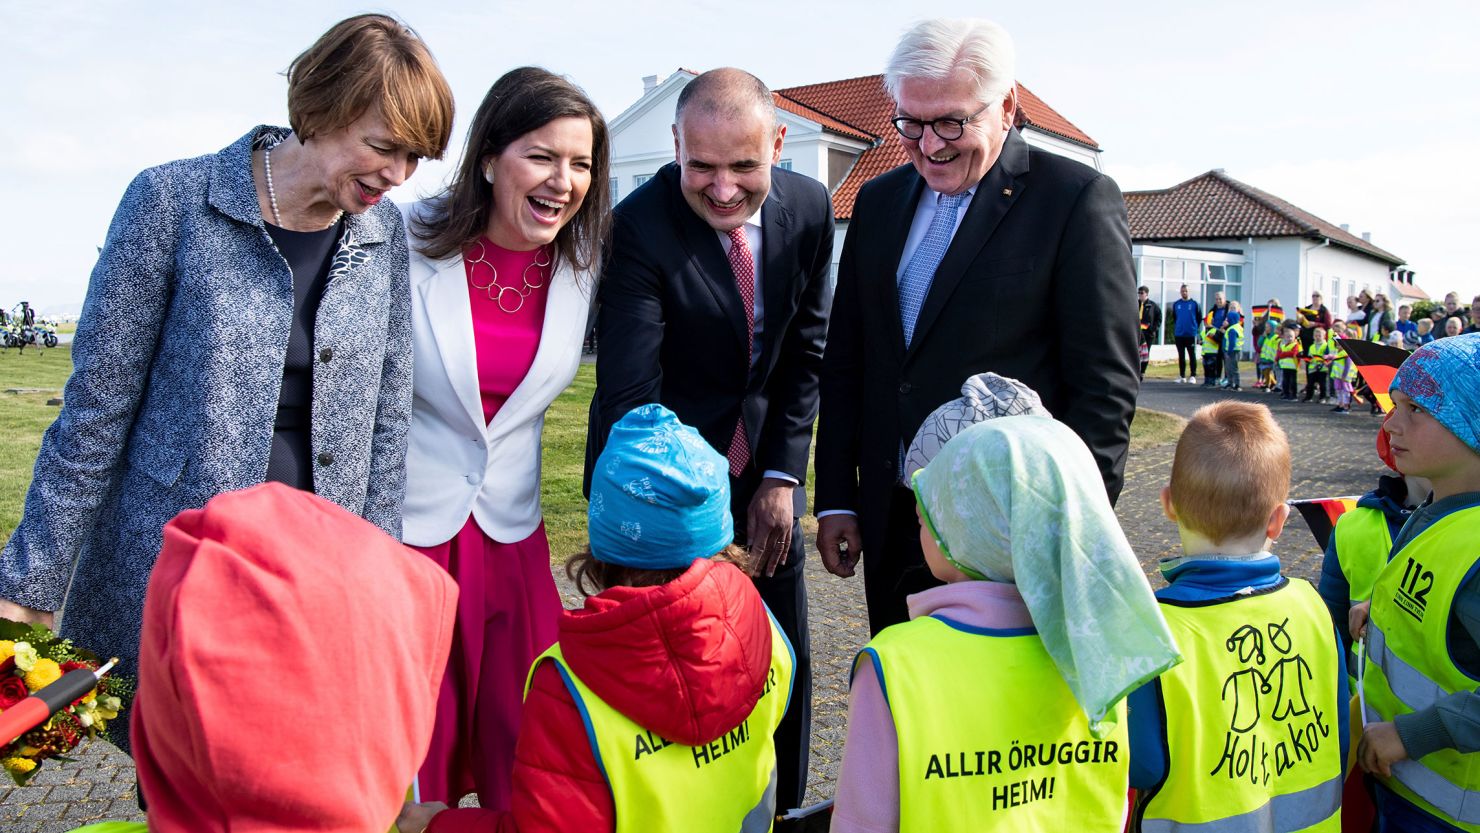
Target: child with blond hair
1211, 740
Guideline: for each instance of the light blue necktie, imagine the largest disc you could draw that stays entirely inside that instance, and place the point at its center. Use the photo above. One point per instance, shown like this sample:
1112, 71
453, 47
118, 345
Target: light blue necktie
921, 269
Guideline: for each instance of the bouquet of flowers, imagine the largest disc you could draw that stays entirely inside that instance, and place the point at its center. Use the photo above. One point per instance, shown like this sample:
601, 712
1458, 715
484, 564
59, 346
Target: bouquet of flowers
32, 657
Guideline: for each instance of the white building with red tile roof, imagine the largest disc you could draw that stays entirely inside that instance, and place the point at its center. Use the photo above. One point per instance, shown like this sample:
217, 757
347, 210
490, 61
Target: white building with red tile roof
837, 132
1217, 234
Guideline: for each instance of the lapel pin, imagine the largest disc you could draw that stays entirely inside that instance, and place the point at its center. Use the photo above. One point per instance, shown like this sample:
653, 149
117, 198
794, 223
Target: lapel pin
1006, 192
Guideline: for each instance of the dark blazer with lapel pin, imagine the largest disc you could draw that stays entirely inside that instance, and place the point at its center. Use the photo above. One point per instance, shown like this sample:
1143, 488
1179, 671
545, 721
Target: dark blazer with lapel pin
1037, 285
671, 328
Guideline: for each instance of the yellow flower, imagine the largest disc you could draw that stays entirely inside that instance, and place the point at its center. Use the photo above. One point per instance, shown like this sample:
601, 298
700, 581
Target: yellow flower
29, 751
7, 649
20, 766
42, 674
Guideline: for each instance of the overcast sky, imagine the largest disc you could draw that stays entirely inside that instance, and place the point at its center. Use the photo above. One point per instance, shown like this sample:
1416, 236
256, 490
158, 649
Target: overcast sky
1359, 112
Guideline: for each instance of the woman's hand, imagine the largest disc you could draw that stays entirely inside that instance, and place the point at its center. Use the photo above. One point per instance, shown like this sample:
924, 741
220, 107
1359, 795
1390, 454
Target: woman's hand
18, 613
1381, 747
415, 818
1356, 619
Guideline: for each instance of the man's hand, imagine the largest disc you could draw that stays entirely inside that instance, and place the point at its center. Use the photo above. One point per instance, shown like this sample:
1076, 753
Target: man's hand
415, 818
17, 613
1381, 747
839, 543
1356, 619
768, 525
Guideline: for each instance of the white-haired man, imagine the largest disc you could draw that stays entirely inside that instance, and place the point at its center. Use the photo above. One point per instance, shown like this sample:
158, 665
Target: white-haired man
981, 255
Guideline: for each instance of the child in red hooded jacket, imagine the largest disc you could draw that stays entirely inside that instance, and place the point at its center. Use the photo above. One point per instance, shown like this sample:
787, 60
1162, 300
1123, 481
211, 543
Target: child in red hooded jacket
655, 709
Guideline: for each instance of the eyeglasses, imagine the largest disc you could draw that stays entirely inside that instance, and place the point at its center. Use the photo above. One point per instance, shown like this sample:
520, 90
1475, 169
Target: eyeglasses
947, 129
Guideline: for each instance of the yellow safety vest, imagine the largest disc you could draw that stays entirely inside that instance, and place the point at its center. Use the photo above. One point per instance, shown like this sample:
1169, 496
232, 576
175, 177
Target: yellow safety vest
1210, 343
1268, 347
1363, 542
1317, 355
114, 827
1252, 723
990, 737
1408, 665
657, 785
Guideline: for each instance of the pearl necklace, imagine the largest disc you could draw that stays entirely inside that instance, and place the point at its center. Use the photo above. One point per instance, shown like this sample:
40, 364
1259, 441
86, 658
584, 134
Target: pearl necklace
271, 194
495, 289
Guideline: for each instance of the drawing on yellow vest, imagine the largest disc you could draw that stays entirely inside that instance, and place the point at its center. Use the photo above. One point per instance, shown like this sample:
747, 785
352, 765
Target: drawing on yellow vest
1271, 683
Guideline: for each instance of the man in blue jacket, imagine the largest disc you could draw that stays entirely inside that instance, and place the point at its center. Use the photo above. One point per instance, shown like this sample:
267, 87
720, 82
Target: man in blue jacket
1186, 318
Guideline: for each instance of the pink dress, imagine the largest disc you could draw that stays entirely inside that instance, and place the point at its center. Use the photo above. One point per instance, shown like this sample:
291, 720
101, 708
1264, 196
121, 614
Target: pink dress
508, 606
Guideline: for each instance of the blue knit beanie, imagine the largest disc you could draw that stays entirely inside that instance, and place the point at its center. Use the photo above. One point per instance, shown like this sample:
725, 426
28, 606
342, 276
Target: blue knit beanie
660, 495
1443, 377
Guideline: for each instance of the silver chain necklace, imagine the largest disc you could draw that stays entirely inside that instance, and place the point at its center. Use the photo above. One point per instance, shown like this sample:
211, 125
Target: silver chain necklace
496, 290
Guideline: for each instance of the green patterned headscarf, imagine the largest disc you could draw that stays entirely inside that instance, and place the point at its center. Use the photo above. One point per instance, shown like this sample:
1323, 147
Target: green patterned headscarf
1019, 500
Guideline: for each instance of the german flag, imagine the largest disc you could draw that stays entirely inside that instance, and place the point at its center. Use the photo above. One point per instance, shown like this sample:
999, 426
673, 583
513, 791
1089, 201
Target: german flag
1378, 364
1275, 313
1320, 515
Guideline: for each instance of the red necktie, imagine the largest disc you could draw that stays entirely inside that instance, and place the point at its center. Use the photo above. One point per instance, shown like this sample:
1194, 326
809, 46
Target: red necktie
743, 265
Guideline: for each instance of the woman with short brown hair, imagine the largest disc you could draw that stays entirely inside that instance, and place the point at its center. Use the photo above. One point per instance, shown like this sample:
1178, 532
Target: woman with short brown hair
248, 319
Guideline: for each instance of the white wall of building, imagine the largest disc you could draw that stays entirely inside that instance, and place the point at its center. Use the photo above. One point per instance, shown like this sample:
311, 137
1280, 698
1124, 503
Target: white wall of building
1341, 272
1063, 147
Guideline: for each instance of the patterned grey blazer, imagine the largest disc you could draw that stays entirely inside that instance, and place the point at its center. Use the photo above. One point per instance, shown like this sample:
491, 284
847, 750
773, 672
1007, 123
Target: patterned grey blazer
178, 364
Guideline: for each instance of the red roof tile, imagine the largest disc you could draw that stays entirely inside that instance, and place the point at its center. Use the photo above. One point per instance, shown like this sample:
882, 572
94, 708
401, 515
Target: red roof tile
827, 122
1215, 205
862, 105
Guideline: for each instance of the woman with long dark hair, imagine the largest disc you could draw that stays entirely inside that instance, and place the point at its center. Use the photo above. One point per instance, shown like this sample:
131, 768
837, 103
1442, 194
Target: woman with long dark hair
502, 278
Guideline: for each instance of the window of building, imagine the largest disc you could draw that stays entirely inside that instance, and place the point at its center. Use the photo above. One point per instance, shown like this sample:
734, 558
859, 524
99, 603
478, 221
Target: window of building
784, 164
612, 184
640, 179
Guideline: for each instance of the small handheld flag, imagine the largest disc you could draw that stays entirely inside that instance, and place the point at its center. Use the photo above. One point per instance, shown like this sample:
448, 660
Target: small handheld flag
1320, 515
1378, 364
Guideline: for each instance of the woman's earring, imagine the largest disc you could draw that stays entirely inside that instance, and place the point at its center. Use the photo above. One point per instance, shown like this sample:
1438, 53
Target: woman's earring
488, 174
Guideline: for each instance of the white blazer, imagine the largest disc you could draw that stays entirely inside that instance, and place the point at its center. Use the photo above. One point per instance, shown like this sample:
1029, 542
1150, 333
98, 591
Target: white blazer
456, 464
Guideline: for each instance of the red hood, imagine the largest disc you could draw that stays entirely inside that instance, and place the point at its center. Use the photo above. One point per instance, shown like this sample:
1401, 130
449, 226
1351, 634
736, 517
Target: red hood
686, 659
288, 668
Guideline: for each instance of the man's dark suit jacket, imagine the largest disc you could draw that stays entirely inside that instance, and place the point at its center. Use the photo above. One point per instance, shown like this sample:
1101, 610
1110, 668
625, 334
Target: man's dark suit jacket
671, 328
1037, 285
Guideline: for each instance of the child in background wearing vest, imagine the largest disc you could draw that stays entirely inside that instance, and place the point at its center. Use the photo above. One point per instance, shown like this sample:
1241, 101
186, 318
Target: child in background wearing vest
1315, 366
1422, 738
1250, 733
1233, 343
674, 660
1265, 366
1212, 349
999, 706
1362, 542
1288, 358
1342, 371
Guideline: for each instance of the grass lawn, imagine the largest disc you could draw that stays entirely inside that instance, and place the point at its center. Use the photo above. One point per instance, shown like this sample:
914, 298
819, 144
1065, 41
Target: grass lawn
23, 418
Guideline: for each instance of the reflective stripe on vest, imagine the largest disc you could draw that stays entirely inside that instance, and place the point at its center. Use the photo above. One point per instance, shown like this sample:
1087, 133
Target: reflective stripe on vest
726, 785
1408, 664
989, 736
1252, 718
114, 827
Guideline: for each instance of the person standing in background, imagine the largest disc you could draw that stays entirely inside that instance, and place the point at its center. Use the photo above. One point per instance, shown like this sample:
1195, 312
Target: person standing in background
1186, 327
1150, 326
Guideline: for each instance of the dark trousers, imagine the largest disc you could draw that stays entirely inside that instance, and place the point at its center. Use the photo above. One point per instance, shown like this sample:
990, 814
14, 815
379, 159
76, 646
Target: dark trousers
895, 570
1288, 382
1315, 379
1186, 355
1218, 364
1230, 369
785, 593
